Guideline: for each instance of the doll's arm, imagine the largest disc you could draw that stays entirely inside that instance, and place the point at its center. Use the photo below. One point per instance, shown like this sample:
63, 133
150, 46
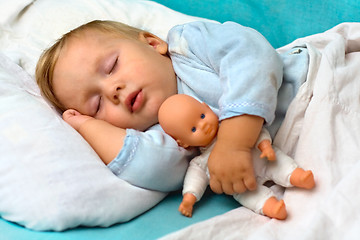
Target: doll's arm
104, 138
230, 162
264, 144
195, 182
266, 150
187, 204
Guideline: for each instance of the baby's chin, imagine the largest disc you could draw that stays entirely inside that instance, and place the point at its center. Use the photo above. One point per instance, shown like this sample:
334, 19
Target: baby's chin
143, 127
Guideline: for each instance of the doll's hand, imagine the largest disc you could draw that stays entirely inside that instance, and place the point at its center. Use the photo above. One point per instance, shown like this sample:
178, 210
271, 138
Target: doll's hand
187, 204
74, 118
269, 153
231, 170
266, 150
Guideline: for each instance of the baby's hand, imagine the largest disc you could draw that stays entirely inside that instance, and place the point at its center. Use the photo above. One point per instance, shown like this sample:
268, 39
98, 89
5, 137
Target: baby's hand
231, 171
74, 118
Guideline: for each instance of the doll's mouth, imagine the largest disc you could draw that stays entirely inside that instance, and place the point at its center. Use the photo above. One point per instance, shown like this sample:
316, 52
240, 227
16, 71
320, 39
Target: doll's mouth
134, 101
211, 130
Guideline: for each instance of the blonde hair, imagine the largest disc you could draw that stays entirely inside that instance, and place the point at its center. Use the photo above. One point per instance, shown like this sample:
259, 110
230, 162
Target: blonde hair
47, 61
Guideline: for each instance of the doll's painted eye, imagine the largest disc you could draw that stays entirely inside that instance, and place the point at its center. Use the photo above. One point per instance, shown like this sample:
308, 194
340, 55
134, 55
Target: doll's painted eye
193, 129
202, 116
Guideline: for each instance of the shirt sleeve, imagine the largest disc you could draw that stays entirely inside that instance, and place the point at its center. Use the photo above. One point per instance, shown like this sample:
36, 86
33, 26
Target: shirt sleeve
248, 67
151, 160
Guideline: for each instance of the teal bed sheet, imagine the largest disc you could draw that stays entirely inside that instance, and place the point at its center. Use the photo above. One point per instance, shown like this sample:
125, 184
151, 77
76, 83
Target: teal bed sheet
280, 22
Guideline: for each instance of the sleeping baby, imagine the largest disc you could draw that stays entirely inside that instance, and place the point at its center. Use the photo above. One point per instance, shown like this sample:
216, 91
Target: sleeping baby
110, 79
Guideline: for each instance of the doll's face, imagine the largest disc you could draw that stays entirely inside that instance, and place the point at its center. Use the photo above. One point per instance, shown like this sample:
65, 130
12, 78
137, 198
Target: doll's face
188, 121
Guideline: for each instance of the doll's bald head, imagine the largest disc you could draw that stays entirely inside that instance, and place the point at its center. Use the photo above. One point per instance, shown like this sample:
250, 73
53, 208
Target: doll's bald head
188, 121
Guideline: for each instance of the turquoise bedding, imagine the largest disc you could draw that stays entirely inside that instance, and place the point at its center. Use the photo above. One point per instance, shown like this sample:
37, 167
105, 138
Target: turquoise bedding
280, 22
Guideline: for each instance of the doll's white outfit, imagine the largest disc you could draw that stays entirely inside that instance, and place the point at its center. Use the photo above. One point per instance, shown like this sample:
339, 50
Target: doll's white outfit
279, 171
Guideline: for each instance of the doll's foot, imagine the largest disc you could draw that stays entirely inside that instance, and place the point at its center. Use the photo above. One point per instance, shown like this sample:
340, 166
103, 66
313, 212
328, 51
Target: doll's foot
303, 179
186, 209
274, 208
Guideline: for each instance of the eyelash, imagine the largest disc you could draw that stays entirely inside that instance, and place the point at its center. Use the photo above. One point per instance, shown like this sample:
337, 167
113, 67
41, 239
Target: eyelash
99, 105
114, 66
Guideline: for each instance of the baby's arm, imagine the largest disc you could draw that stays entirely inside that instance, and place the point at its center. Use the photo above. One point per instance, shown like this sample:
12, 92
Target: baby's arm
104, 138
230, 162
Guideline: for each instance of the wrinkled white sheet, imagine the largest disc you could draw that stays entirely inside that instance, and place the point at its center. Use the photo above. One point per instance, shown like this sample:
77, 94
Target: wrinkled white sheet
322, 132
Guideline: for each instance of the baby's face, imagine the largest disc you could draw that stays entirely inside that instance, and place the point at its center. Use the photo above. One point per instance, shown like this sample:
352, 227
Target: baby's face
119, 80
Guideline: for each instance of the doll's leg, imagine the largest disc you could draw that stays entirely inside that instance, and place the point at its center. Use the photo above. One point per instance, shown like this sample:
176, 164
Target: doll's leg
263, 201
303, 179
285, 172
275, 208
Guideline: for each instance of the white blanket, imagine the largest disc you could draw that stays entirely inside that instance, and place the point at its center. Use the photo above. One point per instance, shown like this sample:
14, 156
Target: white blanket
322, 132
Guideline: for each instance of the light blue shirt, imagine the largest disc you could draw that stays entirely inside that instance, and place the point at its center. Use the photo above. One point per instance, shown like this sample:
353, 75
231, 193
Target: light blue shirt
231, 68
151, 160
236, 71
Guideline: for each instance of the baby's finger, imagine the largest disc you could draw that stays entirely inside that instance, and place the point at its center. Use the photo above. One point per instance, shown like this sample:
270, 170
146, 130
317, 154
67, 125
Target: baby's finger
250, 182
215, 186
69, 113
239, 187
75, 113
228, 188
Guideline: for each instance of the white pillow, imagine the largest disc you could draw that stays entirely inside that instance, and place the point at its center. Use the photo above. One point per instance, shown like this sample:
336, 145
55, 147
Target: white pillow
47, 20
50, 178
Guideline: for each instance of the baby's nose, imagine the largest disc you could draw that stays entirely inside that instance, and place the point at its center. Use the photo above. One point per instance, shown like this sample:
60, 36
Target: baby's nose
113, 93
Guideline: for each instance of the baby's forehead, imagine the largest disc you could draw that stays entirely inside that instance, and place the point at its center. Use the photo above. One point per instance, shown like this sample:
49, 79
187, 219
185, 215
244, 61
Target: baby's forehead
93, 33
89, 38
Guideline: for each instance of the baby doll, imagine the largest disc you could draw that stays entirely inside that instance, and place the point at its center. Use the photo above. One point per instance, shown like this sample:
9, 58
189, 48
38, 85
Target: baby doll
192, 123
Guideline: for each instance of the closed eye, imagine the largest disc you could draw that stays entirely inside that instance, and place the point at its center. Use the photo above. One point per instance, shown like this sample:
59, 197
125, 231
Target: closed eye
99, 105
113, 66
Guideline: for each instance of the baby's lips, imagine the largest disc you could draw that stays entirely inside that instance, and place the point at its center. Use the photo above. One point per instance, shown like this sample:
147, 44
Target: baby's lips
134, 101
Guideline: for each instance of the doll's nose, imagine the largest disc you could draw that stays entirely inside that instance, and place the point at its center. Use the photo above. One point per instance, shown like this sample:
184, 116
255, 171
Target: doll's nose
205, 127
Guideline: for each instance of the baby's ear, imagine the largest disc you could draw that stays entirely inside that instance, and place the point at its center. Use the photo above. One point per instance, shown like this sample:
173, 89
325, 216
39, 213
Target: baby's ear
157, 43
181, 144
